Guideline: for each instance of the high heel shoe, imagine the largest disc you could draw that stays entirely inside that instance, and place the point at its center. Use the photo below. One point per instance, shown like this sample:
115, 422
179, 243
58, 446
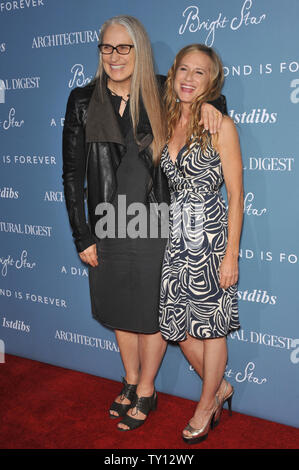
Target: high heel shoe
129, 392
142, 404
227, 397
199, 435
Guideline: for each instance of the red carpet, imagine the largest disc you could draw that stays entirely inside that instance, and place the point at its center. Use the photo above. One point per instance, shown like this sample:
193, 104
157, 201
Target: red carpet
48, 407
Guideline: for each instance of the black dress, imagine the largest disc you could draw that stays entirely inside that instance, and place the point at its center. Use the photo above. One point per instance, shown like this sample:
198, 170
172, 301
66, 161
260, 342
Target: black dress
125, 286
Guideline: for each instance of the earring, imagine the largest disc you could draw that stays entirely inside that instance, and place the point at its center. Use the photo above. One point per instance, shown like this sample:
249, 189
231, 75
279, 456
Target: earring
177, 100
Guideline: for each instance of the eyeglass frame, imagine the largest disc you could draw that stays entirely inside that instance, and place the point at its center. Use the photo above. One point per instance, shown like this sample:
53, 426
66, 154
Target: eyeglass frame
114, 48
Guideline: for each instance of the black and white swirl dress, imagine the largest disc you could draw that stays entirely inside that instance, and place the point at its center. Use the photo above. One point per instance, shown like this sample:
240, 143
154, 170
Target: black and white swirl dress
191, 299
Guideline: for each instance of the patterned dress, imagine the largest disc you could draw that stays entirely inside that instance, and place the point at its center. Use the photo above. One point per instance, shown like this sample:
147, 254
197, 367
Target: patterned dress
191, 299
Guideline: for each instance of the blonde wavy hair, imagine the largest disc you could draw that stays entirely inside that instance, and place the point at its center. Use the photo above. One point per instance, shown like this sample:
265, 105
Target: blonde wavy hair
143, 83
195, 132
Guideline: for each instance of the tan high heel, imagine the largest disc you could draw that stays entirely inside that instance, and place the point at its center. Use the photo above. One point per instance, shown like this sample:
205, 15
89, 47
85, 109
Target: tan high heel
199, 435
227, 397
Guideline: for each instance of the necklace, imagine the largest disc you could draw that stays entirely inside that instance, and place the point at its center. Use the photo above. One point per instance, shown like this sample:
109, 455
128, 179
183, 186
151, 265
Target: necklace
119, 96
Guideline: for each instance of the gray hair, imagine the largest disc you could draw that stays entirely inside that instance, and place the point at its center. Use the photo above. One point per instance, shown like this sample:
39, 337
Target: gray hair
143, 81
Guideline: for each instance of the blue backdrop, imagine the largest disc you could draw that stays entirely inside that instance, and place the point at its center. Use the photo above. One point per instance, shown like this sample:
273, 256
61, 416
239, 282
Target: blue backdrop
48, 47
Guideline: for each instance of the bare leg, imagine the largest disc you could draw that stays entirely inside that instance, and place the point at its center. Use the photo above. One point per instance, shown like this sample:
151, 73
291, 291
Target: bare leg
151, 351
129, 346
215, 358
193, 350
214, 363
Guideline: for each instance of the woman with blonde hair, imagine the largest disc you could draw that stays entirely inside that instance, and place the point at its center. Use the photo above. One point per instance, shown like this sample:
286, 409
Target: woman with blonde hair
198, 305
113, 134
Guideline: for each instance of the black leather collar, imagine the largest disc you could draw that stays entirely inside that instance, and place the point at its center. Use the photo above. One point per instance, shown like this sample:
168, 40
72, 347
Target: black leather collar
102, 125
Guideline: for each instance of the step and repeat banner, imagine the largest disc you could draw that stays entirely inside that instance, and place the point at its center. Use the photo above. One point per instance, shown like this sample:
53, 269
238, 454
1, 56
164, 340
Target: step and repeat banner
49, 47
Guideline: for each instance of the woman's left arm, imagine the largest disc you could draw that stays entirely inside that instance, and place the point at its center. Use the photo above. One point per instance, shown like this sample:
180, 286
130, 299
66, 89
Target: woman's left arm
228, 147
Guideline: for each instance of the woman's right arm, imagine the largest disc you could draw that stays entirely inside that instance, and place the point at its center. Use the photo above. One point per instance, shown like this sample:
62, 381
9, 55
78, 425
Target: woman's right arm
74, 168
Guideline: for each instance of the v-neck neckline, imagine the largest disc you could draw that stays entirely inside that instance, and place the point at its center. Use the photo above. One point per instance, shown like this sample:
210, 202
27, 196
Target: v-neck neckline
181, 151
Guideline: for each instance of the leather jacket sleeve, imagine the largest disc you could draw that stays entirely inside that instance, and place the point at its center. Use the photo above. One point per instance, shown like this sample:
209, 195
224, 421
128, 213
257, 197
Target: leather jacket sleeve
220, 104
73, 176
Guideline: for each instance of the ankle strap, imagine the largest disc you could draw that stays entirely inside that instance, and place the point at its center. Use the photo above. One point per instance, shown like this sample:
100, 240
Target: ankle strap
128, 390
144, 404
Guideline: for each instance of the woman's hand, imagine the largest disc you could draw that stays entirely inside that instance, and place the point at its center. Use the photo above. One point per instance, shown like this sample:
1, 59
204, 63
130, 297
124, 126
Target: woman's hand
211, 118
228, 271
90, 256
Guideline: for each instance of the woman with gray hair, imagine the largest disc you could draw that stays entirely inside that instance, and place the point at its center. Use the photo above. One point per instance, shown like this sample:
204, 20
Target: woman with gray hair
113, 135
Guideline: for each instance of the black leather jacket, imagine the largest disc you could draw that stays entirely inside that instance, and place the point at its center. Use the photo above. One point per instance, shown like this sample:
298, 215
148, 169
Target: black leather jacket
93, 147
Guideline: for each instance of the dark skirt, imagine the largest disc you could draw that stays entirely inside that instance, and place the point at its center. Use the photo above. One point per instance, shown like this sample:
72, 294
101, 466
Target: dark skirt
125, 286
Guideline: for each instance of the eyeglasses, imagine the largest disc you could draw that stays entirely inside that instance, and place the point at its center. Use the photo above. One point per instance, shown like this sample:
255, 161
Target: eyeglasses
122, 49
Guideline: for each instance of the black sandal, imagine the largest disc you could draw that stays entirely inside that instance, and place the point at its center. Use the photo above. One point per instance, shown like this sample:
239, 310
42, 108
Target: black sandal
129, 392
143, 404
